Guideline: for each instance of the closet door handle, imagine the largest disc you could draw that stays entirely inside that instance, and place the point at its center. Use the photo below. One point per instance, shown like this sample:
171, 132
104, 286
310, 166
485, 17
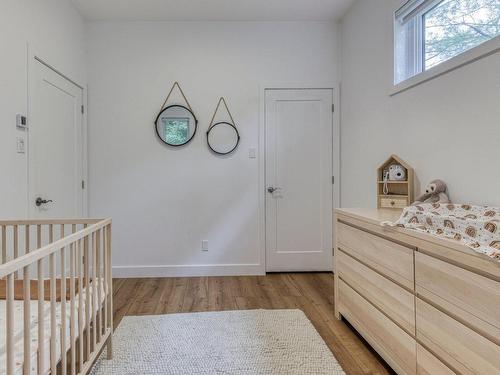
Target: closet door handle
39, 201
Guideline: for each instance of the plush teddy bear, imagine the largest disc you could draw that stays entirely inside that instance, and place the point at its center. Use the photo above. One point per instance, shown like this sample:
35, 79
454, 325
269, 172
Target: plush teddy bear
435, 192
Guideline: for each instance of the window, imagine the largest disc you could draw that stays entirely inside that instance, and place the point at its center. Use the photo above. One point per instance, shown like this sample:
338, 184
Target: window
430, 32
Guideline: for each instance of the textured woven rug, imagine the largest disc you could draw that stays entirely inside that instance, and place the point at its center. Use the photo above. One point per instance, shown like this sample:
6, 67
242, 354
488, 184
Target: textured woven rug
256, 342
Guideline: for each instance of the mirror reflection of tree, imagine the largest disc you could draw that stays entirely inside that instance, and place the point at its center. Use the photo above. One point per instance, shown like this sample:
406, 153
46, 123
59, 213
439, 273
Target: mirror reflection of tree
176, 130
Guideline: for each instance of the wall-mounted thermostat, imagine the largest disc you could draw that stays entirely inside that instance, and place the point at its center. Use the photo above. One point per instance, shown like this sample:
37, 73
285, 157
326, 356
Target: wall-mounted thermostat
21, 121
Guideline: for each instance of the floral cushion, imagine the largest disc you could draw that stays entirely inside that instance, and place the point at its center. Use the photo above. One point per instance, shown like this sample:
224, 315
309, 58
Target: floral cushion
477, 227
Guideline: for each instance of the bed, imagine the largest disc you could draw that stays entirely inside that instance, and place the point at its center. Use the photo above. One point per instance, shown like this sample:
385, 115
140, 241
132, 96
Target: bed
59, 270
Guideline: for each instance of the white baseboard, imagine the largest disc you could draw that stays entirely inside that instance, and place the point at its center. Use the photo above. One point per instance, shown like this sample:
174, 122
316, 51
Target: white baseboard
188, 270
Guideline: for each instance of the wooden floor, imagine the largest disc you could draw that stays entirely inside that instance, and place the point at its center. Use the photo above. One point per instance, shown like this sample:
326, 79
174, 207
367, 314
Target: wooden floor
310, 292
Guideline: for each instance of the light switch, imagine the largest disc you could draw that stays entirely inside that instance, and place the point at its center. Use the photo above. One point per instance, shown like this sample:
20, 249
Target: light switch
21, 121
204, 245
20, 146
252, 153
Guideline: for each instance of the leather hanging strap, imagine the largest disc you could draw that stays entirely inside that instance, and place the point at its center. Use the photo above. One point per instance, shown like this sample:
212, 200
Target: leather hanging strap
170, 93
223, 101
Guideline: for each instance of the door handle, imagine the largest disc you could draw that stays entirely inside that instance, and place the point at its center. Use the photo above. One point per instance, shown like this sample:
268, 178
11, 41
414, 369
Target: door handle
39, 201
272, 189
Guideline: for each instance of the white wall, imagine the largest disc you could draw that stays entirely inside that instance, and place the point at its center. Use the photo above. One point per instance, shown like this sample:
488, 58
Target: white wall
446, 128
56, 30
163, 201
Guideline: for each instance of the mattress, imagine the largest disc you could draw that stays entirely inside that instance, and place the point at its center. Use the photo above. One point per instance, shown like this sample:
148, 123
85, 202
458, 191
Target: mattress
19, 331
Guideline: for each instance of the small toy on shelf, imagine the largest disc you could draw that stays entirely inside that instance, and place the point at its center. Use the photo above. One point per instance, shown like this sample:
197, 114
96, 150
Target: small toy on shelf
435, 192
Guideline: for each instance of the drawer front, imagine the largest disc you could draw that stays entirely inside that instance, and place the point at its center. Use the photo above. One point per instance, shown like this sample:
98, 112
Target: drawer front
391, 342
393, 203
428, 364
457, 290
389, 258
396, 302
464, 349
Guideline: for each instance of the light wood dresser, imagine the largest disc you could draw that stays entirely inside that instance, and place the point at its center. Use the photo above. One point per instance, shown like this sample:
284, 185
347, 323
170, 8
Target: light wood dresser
427, 305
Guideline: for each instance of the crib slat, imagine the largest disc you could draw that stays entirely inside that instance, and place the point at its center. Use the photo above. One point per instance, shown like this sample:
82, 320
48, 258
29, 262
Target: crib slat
10, 324
41, 319
53, 306
99, 293
72, 306
94, 291
63, 306
110, 292
4, 244
27, 305
27, 319
86, 263
15, 236
105, 270
80, 302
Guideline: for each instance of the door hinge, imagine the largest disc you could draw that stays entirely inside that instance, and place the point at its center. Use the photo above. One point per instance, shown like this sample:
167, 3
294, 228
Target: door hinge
83, 109
333, 107
333, 180
83, 184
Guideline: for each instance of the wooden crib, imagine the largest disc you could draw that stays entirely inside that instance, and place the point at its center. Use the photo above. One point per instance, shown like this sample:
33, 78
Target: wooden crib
62, 270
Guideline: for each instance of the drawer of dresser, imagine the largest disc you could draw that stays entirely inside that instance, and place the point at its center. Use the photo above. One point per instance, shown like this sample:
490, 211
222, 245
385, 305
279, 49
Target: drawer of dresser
389, 258
388, 202
462, 348
428, 364
391, 342
459, 291
396, 302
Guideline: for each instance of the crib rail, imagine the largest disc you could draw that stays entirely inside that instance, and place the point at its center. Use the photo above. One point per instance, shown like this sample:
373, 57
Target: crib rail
76, 255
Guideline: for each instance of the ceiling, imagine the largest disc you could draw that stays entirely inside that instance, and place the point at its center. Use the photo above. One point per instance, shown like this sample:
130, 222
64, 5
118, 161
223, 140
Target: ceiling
213, 10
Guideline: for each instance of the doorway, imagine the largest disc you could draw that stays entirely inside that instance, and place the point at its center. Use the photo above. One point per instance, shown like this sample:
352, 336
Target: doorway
299, 165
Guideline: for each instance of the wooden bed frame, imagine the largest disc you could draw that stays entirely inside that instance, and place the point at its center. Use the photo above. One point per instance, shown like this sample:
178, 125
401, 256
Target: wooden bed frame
57, 253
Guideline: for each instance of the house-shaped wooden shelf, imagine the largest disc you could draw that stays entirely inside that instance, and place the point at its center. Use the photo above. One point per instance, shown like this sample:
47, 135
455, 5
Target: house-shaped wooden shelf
398, 194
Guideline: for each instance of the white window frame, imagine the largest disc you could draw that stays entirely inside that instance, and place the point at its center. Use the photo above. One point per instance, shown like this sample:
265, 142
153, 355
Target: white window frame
484, 49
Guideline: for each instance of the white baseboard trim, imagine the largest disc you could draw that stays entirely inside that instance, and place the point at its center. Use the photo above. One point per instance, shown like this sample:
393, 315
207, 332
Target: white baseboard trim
188, 270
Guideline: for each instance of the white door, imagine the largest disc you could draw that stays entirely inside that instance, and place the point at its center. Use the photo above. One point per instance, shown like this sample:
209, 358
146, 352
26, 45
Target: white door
55, 145
299, 146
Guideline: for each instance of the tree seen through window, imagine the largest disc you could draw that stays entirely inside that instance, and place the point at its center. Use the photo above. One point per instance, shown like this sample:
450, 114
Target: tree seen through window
455, 26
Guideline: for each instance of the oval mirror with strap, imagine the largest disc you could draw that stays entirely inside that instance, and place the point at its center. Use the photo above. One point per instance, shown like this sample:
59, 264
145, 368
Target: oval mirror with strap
223, 136
176, 124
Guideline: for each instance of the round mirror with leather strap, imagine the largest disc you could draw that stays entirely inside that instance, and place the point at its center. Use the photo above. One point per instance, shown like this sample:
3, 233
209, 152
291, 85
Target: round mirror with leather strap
176, 124
223, 136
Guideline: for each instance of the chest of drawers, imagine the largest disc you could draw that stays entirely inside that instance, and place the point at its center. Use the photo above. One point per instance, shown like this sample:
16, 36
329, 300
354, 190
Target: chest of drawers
426, 305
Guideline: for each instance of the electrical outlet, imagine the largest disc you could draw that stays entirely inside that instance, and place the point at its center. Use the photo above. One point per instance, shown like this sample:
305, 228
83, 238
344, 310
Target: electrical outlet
204, 245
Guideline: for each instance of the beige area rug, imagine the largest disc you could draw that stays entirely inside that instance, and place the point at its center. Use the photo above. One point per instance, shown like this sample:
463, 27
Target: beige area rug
270, 342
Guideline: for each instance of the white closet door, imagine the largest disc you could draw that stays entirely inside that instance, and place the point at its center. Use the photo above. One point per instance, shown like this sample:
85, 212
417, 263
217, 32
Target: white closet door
55, 145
